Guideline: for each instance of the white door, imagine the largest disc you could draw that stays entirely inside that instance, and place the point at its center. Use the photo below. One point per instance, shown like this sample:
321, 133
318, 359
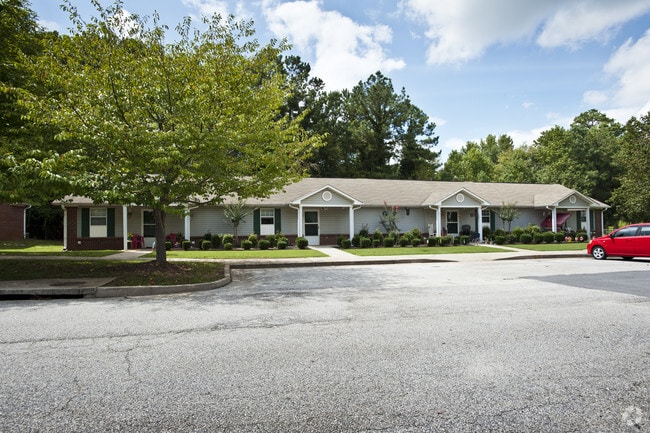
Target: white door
312, 230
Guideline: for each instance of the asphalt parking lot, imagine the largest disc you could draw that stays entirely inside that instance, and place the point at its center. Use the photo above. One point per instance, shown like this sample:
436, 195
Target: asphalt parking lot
552, 345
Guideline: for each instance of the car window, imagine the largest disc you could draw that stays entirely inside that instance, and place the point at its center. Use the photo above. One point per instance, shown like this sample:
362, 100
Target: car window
626, 232
645, 231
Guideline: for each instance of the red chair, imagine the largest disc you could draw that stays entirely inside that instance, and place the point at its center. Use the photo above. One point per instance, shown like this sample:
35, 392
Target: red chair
137, 241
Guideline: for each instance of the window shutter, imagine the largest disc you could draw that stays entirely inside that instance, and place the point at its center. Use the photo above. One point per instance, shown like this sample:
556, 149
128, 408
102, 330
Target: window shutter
110, 222
493, 222
85, 222
278, 221
256, 222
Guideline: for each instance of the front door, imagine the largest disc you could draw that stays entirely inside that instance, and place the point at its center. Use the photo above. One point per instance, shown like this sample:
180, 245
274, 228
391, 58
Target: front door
452, 222
312, 231
148, 228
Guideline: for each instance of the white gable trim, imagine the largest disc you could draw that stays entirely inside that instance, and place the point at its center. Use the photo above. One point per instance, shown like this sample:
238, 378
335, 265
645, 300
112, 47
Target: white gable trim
463, 190
353, 201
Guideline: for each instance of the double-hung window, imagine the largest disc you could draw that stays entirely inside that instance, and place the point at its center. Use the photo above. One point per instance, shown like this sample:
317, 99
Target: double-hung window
98, 222
267, 222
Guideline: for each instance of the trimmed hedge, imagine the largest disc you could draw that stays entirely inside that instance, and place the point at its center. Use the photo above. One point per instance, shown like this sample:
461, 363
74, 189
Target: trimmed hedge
302, 243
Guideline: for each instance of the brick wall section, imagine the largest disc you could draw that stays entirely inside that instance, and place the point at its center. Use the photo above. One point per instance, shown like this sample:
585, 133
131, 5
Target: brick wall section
76, 243
11, 222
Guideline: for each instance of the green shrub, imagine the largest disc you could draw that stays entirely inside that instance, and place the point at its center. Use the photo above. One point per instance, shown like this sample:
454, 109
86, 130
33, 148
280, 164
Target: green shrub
517, 232
206, 244
549, 237
559, 237
339, 240
538, 238
532, 229
526, 238
216, 241
302, 243
227, 246
499, 240
264, 244
227, 239
168, 245
415, 242
389, 242
207, 236
404, 241
376, 243
187, 245
511, 239
415, 233
366, 242
346, 243
363, 233
282, 245
464, 240
247, 245
433, 241
252, 238
445, 240
279, 237
378, 235
500, 232
356, 240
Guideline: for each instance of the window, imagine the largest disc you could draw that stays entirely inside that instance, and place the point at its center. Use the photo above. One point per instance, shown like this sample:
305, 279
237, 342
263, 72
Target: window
98, 222
485, 217
148, 224
626, 232
267, 222
645, 231
452, 222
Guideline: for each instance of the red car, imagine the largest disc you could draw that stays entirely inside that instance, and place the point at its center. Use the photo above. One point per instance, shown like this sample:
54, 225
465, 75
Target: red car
627, 242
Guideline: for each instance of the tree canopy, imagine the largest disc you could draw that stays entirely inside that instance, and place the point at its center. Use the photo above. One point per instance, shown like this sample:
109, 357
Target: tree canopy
163, 124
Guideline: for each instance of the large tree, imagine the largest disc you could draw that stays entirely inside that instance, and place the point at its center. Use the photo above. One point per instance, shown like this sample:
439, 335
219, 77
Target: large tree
160, 123
27, 150
632, 197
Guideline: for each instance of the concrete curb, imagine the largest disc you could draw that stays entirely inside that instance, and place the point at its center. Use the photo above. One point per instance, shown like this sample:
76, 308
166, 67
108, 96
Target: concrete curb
127, 291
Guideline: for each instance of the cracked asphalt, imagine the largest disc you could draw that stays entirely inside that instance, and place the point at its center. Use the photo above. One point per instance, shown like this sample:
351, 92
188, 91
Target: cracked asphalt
553, 345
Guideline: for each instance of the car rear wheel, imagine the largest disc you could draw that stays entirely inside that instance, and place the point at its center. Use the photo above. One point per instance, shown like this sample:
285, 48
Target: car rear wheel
598, 253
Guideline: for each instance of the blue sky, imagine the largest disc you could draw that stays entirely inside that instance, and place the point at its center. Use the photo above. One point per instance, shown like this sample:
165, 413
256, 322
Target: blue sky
476, 67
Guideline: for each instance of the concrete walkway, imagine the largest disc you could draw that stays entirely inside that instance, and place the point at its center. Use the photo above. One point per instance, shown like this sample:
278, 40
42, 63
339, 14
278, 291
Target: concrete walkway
100, 287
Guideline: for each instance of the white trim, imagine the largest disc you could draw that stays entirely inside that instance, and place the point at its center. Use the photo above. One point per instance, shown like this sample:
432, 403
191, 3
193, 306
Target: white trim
328, 188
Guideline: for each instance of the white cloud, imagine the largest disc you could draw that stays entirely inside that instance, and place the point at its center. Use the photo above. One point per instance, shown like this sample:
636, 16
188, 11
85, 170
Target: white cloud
463, 29
631, 65
594, 98
527, 104
340, 51
208, 7
50, 25
580, 21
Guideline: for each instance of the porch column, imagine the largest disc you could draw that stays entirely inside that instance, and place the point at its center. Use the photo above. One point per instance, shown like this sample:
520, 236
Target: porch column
351, 213
187, 227
588, 229
299, 231
125, 231
439, 221
554, 220
65, 228
602, 223
479, 229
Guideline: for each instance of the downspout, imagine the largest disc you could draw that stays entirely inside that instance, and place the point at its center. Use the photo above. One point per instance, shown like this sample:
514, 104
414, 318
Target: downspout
65, 228
298, 219
25, 221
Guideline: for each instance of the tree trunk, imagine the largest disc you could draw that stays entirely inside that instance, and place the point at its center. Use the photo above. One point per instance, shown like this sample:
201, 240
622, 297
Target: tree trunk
161, 250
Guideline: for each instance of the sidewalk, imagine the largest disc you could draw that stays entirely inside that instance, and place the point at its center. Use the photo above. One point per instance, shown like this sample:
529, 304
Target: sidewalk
99, 287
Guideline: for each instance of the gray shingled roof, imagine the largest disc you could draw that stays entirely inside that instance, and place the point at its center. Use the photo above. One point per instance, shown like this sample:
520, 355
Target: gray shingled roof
374, 192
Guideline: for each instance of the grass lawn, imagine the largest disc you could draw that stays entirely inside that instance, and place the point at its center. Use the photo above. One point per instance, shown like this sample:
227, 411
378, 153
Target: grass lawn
407, 251
35, 247
242, 254
126, 273
564, 246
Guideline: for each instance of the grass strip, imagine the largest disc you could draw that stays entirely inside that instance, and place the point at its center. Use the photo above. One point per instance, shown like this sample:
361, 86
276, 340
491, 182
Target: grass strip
242, 254
407, 251
126, 273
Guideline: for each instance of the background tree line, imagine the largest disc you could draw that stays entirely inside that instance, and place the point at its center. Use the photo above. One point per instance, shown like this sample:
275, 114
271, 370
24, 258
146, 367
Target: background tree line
371, 130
